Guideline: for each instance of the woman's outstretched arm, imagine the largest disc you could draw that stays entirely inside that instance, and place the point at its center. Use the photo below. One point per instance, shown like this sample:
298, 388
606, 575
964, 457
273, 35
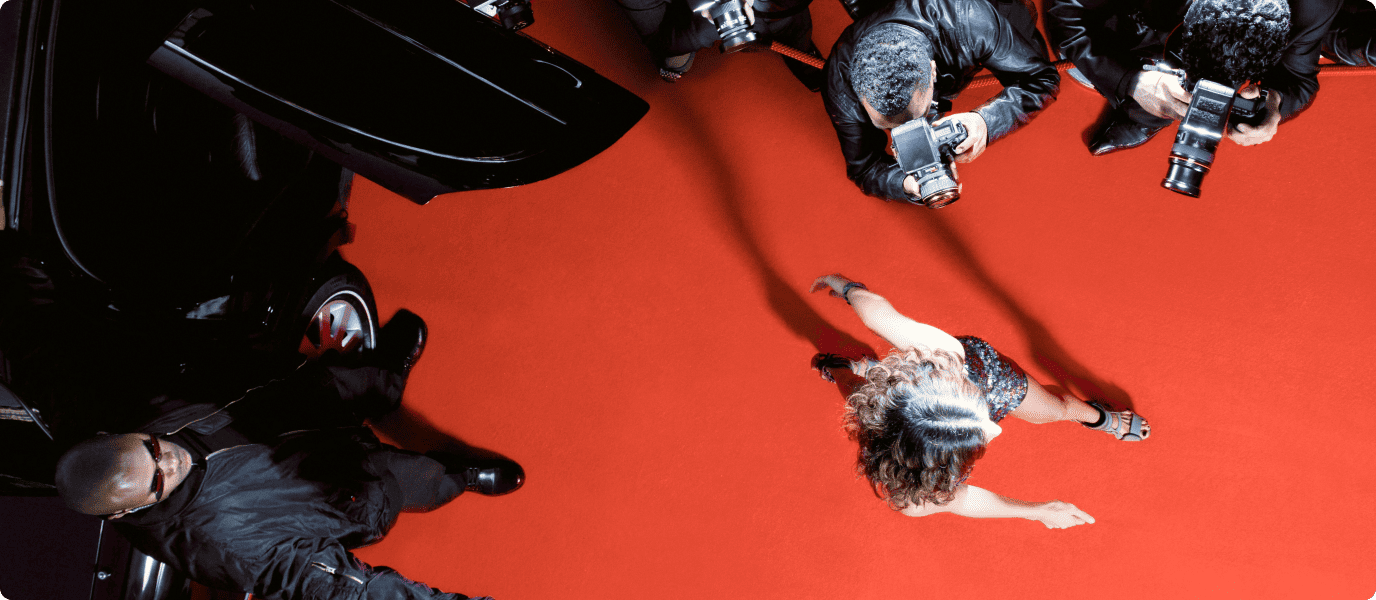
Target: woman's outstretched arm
979, 503
881, 317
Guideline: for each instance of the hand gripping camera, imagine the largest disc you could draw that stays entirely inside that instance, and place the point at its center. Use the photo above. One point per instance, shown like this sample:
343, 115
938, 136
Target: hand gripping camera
732, 26
1197, 138
925, 152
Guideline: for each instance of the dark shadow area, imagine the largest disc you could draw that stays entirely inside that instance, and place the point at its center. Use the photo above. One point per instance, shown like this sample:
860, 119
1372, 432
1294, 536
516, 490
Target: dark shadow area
784, 298
1067, 372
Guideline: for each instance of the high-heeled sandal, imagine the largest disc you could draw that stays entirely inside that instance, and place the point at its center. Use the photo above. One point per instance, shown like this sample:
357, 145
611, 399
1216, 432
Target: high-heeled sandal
1112, 422
823, 361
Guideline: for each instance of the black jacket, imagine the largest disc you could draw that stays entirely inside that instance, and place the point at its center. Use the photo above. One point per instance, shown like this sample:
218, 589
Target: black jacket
966, 35
1108, 41
278, 516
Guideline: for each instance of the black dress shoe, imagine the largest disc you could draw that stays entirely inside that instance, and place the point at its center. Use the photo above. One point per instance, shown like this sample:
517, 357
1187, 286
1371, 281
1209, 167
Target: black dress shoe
486, 476
402, 341
1120, 133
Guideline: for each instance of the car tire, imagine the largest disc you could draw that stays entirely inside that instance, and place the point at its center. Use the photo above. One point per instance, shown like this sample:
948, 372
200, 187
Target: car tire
341, 315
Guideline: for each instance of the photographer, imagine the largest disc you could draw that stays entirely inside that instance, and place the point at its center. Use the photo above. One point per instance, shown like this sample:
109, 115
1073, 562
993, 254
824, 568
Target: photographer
1232, 42
909, 60
674, 33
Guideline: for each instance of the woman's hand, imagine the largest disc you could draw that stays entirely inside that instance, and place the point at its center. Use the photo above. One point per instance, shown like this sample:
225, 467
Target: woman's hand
836, 282
1060, 515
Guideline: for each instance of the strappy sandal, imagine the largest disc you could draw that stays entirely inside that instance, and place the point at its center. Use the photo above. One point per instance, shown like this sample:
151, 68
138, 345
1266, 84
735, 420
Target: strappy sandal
823, 361
1112, 422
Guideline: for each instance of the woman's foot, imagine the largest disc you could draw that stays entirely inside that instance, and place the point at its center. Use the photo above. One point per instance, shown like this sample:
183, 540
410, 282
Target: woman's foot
1124, 425
824, 363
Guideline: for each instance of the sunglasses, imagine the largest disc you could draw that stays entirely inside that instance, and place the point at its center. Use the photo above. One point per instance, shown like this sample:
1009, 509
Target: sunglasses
155, 449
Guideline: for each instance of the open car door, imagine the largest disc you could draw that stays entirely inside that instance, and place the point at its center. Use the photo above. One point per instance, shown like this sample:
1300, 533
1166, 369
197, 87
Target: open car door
423, 97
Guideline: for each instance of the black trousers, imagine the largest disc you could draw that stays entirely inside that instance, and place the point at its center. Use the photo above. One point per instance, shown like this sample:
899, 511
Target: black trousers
1349, 40
416, 482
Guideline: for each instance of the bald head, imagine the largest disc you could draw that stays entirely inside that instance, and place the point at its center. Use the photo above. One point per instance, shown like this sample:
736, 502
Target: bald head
113, 474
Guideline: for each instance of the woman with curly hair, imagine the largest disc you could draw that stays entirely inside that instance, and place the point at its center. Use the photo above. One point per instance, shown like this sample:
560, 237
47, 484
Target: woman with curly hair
925, 413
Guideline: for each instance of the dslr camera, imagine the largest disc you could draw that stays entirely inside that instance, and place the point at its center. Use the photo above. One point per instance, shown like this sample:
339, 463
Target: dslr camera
925, 152
1196, 140
732, 26
513, 14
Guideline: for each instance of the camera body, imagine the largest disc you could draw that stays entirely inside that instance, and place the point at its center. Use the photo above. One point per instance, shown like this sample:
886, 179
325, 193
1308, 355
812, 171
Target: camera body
732, 25
925, 152
513, 14
1196, 140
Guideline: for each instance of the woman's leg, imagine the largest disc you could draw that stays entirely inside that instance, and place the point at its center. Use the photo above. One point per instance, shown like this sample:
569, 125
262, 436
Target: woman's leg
1041, 406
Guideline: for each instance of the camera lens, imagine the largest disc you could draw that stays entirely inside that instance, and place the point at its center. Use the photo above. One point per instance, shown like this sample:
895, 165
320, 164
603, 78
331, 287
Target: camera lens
936, 191
737, 38
941, 199
732, 25
1184, 176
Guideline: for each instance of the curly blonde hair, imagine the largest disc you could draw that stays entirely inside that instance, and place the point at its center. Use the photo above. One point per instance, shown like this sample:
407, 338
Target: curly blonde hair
918, 436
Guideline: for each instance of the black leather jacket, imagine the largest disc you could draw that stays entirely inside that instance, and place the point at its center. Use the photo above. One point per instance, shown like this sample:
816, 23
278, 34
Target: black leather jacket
278, 518
966, 35
1108, 40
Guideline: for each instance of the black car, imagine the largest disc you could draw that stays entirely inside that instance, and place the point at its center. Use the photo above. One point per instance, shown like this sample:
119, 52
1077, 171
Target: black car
175, 176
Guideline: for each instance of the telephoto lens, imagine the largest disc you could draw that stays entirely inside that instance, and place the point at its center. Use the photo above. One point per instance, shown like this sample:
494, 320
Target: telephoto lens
1196, 140
732, 26
1185, 172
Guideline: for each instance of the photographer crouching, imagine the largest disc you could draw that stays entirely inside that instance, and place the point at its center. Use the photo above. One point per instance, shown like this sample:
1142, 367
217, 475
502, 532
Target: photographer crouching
1244, 45
906, 62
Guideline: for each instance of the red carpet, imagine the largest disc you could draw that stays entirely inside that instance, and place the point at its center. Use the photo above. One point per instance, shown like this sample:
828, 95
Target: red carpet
637, 332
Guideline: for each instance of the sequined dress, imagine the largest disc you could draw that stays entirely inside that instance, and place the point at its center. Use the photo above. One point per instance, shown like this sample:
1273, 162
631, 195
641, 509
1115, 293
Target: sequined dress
1004, 384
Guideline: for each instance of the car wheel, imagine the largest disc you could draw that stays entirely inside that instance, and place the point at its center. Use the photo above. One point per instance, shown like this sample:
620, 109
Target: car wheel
341, 315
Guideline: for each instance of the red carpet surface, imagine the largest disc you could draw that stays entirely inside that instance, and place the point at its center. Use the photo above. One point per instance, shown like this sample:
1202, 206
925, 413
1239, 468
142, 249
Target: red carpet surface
636, 332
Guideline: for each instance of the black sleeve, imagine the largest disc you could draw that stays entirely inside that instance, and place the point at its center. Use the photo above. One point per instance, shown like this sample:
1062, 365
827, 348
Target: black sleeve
1296, 77
1029, 81
669, 28
1080, 28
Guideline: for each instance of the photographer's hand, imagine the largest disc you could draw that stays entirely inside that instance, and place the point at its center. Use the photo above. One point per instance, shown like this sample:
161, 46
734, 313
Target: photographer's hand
976, 136
1160, 94
1250, 135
